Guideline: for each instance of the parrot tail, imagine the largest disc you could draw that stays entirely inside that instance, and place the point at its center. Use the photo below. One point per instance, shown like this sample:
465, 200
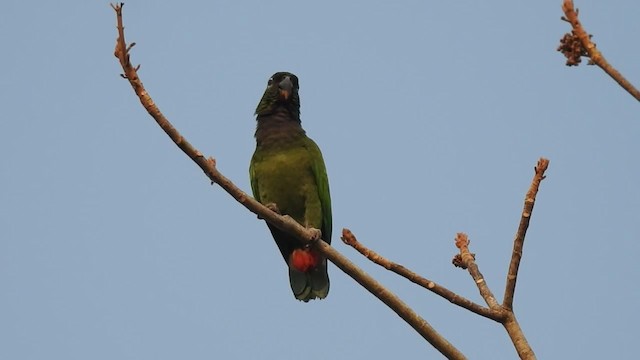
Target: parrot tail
308, 275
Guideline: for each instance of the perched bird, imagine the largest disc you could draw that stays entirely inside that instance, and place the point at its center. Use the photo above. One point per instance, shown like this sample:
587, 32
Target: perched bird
288, 175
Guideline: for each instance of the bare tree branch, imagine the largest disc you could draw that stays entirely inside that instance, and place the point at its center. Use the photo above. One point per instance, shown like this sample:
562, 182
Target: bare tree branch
578, 43
391, 299
525, 352
284, 223
502, 313
468, 259
350, 239
518, 243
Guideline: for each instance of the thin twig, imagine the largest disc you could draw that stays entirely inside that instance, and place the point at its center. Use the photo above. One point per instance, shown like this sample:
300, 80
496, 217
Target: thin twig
350, 239
467, 260
284, 223
518, 243
462, 243
573, 51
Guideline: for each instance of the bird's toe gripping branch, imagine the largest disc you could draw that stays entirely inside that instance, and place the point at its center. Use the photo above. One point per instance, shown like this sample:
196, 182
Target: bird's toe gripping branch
273, 207
316, 235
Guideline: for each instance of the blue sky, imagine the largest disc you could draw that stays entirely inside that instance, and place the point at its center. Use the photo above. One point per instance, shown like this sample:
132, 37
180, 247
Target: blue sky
430, 116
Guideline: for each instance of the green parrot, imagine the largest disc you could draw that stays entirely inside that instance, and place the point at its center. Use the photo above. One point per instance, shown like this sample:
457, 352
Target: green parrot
288, 175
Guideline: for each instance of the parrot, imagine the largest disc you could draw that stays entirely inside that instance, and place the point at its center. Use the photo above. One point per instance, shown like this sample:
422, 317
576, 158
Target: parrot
288, 175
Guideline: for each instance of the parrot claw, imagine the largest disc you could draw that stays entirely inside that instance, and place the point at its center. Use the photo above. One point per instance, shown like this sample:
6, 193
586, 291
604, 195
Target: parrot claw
273, 207
315, 236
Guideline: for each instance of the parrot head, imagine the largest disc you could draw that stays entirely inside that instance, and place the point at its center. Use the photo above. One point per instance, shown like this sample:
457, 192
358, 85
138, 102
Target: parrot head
281, 92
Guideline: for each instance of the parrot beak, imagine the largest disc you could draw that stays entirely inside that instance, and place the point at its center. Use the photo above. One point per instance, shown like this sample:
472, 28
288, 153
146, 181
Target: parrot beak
285, 86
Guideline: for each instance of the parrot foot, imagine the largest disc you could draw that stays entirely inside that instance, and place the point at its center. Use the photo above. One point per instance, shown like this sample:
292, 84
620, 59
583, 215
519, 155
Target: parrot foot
315, 236
273, 207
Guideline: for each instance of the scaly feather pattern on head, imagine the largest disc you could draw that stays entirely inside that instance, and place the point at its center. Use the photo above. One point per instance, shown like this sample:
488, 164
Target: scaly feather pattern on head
281, 92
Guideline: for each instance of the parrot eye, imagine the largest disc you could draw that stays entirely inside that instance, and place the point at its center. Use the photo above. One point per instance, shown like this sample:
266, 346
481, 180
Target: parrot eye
270, 82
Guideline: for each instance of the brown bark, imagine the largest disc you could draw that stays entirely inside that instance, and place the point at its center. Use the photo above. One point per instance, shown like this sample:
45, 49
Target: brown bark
518, 243
350, 239
466, 260
578, 43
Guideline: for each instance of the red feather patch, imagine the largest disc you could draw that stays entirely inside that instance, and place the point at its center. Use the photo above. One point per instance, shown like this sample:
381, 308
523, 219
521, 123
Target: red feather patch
304, 259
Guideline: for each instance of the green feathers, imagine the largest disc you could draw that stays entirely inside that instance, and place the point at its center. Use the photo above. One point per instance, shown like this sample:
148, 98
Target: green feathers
282, 90
287, 170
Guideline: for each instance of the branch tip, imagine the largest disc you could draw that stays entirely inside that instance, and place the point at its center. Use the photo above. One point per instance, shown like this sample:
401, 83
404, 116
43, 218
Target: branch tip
578, 44
461, 241
348, 238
